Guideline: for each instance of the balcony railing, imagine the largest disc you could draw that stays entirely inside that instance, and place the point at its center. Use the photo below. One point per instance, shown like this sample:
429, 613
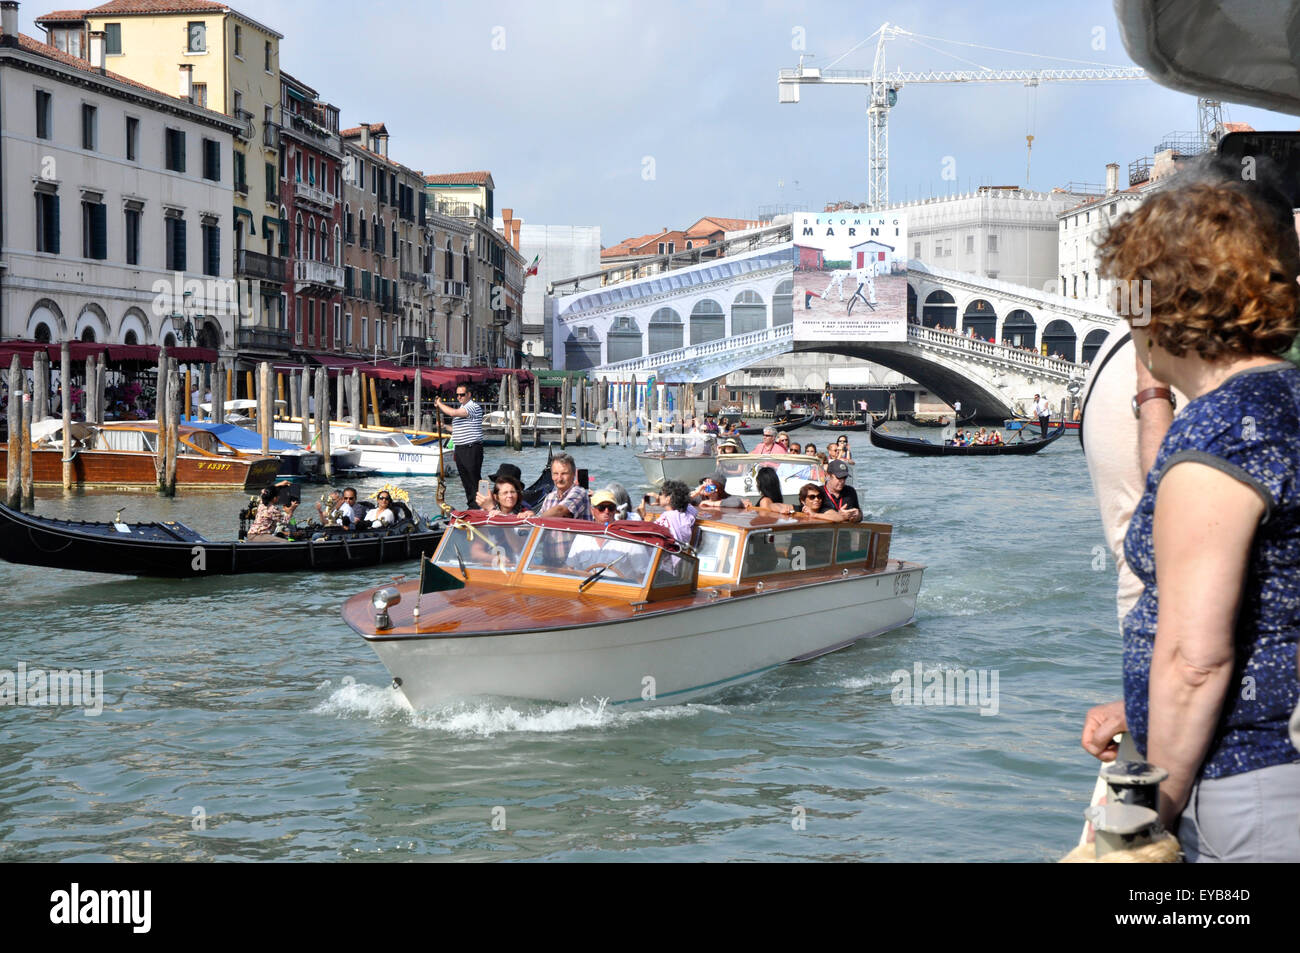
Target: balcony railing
409, 276
271, 135
241, 188
314, 123
450, 289
314, 195
318, 273
252, 264
463, 210
245, 120
263, 339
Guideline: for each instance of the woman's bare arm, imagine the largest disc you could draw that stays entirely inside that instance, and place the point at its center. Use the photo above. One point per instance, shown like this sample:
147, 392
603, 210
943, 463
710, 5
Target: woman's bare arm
1205, 522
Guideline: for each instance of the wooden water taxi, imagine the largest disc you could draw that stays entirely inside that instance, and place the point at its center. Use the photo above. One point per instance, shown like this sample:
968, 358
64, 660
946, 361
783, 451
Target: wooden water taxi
125, 454
562, 610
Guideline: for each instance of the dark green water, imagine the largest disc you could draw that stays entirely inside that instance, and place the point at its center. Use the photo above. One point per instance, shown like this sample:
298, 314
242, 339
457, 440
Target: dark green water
247, 704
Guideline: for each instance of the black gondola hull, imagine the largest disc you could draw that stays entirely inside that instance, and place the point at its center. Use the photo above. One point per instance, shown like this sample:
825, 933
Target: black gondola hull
781, 426
924, 448
173, 551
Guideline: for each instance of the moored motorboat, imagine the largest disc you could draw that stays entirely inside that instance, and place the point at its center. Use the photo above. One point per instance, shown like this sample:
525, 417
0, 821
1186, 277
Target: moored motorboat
388, 452
125, 454
924, 448
562, 610
170, 549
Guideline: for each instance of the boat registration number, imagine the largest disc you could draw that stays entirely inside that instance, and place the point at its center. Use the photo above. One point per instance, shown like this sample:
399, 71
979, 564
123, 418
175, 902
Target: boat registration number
902, 583
409, 457
214, 466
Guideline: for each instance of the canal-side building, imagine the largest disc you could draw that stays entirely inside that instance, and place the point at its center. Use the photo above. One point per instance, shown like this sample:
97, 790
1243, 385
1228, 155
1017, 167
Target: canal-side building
496, 282
311, 206
228, 62
117, 201
560, 251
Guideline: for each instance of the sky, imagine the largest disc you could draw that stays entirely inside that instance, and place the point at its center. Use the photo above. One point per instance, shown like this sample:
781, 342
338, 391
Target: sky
637, 117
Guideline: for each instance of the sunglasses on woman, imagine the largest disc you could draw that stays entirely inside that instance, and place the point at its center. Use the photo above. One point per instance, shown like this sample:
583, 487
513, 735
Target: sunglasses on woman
811, 498
385, 499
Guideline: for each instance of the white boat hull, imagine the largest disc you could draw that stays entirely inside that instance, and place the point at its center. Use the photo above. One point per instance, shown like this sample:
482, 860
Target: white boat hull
404, 462
656, 658
687, 469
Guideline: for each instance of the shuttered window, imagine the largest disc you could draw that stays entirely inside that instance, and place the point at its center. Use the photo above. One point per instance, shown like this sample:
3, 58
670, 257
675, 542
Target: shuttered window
212, 160
211, 250
47, 222
132, 236
707, 322
365, 284
94, 224
175, 228
175, 150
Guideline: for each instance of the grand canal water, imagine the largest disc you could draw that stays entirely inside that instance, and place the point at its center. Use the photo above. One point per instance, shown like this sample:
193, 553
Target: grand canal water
244, 720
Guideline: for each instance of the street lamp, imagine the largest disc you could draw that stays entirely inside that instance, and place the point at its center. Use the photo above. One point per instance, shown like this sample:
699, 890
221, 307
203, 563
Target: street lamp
182, 322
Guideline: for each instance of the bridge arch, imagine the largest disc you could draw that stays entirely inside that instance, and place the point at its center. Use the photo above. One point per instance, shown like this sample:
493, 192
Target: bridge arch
1059, 338
980, 317
1019, 329
1092, 344
939, 310
748, 312
665, 331
783, 303
708, 323
624, 341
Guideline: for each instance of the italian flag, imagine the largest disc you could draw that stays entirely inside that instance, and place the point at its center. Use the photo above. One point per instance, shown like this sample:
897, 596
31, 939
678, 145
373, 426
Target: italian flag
532, 269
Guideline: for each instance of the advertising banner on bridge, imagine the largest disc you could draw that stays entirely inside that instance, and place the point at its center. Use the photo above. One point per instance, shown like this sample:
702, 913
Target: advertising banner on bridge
850, 278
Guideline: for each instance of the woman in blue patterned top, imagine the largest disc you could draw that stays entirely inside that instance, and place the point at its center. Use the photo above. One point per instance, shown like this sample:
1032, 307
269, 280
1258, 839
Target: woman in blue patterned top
1210, 676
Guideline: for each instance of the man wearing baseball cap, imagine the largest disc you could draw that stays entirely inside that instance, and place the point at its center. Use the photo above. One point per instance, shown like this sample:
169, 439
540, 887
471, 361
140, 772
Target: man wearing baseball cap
839, 500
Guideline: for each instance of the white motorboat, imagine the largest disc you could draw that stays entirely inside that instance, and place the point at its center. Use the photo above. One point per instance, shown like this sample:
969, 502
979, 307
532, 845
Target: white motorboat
672, 456
389, 452
793, 470
548, 426
562, 610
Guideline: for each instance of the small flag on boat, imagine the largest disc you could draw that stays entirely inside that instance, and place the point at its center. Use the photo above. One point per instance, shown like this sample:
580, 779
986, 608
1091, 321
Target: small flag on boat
532, 269
435, 579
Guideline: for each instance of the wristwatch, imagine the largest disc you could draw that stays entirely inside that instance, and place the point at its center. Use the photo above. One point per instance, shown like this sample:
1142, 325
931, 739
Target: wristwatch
1151, 393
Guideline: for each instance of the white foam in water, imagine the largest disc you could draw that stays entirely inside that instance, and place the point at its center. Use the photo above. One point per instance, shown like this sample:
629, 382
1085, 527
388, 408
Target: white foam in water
486, 718
864, 681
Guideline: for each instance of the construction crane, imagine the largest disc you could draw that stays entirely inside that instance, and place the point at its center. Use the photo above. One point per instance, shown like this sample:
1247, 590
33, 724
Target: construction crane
885, 86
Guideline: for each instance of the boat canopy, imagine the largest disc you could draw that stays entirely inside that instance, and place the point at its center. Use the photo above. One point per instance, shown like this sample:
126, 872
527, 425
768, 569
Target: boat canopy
242, 439
47, 428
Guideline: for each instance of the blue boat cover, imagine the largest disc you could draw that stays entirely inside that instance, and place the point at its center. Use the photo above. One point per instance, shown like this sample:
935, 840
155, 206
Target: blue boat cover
241, 439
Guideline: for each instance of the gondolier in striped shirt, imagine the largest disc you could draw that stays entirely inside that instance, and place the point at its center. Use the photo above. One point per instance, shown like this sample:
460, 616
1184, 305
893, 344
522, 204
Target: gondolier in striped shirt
467, 434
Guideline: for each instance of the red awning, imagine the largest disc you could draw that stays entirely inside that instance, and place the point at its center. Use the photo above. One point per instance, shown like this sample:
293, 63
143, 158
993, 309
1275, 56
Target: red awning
116, 353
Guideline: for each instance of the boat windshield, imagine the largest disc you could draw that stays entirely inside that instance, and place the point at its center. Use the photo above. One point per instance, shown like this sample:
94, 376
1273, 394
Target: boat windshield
375, 440
483, 547
563, 553
716, 552
684, 444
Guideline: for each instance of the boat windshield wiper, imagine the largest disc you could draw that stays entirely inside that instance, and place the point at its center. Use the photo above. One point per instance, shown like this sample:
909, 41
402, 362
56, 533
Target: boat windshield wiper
596, 573
460, 560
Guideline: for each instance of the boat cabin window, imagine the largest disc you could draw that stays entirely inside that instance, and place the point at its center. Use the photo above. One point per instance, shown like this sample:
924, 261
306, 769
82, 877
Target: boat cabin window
576, 555
205, 441
855, 546
677, 444
787, 551
717, 552
374, 440
674, 570
483, 547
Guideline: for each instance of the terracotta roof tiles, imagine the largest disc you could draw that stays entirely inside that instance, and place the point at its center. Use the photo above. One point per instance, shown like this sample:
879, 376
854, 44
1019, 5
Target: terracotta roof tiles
459, 178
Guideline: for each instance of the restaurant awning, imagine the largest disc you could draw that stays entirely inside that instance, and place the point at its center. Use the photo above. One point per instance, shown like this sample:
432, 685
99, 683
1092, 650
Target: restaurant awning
114, 353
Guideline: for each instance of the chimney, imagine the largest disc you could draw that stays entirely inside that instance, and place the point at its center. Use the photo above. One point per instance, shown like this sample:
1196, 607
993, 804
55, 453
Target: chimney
1112, 178
9, 22
506, 215
187, 82
381, 142
98, 41
516, 224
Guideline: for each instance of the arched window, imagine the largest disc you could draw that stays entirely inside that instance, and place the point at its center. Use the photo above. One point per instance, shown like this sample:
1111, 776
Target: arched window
783, 303
706, 322
1019, 329
362, 224
748, 313
448, 266
980, 319
939, 310
338, 246
665, 331
42, 333
130, 338
347, 223
624, 342
1059, 338
465, 262
324, 242
88, 334
311, 238
297, 235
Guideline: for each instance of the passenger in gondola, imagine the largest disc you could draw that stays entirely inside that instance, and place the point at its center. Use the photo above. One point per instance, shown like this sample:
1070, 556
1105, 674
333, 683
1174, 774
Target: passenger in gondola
507, 493
271, 517
382, 515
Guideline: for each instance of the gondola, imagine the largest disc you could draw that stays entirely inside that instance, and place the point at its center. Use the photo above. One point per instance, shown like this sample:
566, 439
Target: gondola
840, 424
783, 425
924, 448
172, 550
941, 420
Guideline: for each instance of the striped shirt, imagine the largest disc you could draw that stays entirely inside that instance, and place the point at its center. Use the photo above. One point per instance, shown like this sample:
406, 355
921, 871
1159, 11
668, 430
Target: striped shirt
467, 430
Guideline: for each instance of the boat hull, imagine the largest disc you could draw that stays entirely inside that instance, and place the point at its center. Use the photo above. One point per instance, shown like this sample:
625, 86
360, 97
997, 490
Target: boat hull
655, 657
172, 550
924, 448
137, 469
689, 470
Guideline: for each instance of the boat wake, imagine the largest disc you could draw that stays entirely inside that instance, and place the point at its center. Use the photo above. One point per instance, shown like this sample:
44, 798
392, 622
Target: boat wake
492, 716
